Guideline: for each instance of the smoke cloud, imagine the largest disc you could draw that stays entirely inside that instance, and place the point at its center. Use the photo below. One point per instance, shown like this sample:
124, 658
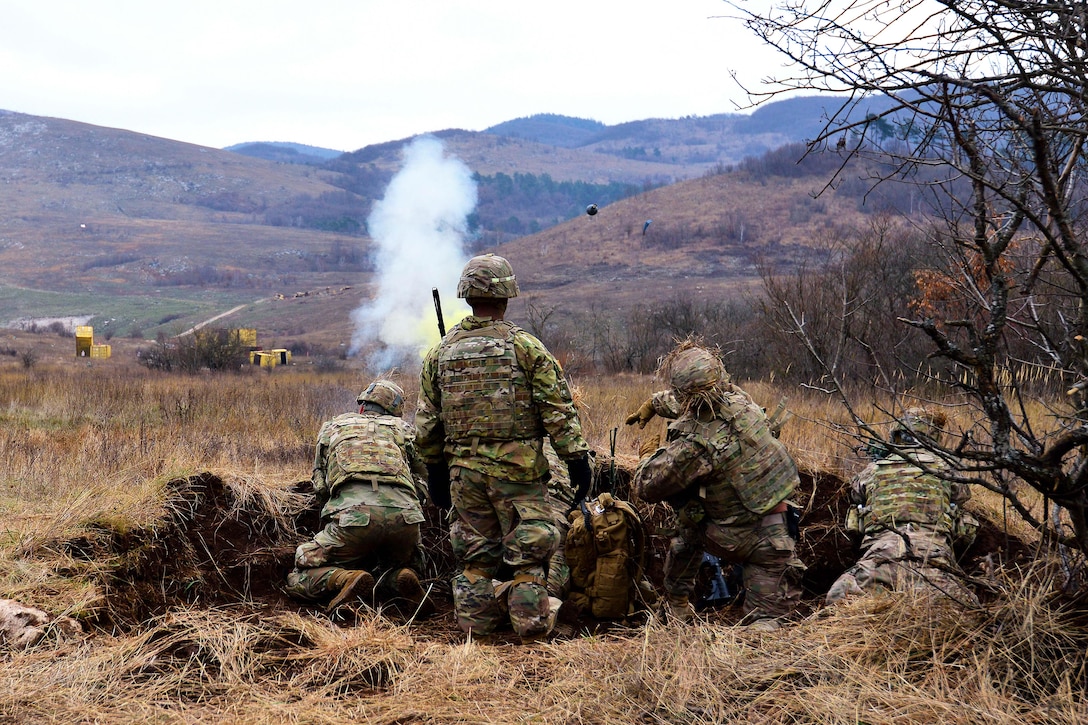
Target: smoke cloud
418, 229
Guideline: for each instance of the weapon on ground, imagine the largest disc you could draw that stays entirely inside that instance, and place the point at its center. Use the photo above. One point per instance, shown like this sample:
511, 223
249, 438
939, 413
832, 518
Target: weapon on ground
612, 460
438, 311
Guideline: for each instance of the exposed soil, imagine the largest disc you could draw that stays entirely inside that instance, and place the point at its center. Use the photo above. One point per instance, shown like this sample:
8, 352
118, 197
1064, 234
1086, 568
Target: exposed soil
214, 549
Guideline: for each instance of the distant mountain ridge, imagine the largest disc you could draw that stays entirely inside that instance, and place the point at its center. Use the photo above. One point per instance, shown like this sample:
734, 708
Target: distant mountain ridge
285, 152
669, 149
550, 128
147, 234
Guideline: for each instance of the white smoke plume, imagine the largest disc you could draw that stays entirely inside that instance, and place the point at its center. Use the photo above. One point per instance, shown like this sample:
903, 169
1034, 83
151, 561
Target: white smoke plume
418, 230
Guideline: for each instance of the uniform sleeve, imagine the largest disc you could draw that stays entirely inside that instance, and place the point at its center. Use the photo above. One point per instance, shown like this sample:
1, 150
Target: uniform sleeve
415, 463
671, 471
961, 493
430, 433
552, 398
665, 404
317, 476
859, 486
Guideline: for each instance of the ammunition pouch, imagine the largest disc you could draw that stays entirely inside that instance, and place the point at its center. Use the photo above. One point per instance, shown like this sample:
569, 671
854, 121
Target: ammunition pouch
964, 529
856, 519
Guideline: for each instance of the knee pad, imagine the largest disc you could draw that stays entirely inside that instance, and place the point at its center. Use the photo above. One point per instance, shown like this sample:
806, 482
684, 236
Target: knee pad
475, 603
529, 606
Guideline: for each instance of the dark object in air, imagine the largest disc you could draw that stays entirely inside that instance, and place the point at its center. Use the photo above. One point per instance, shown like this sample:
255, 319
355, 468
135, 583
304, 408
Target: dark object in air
591, 209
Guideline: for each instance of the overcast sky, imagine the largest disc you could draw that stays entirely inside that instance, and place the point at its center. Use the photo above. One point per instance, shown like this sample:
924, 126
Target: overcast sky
342, 74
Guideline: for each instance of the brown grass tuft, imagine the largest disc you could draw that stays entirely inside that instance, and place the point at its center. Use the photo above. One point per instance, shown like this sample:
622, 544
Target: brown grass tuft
163, 511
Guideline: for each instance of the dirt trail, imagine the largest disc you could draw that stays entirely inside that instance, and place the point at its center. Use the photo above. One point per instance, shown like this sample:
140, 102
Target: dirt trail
220, 316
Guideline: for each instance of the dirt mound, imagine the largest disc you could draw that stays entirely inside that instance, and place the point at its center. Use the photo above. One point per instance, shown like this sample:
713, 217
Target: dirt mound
215, 545
222, 543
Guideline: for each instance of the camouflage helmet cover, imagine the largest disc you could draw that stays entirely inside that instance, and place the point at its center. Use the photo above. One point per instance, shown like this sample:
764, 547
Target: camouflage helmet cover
488, 276
921, 422
384, 393
695, 370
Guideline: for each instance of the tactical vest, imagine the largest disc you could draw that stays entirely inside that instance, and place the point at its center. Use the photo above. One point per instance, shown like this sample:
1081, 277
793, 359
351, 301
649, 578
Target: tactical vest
900, 493
485, 391
605, 550
367, 447
748, 462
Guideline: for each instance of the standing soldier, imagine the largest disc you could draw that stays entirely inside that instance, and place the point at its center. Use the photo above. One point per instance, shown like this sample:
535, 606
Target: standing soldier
489, 394
367, 473
909, 517
727, 477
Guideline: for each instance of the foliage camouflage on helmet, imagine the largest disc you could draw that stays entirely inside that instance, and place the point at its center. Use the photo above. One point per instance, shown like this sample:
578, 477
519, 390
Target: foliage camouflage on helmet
385, 393
488, 276
921, 422
695, 373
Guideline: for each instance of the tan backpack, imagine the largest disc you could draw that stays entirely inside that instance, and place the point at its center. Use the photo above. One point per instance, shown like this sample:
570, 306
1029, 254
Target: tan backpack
605, 549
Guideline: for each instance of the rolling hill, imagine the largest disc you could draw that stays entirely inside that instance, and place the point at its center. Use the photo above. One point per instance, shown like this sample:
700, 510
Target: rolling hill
148, 235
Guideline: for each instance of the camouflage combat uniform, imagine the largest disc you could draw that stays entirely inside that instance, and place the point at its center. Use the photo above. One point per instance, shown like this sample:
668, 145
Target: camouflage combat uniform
728, 478
367, 470
489, 394
561, 497
909, 519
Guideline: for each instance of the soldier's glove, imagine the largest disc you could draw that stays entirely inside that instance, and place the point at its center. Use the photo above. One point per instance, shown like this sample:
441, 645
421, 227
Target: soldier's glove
649, 447
581, 477
438, 485
643, 415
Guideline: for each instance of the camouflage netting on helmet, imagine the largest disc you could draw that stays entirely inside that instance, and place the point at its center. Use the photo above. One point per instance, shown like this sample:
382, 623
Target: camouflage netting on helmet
384, 393
922, 422
488, 276
696, 374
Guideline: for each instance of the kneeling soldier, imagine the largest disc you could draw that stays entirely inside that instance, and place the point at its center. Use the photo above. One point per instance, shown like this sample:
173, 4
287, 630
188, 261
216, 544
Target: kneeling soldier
728, 478
367, 473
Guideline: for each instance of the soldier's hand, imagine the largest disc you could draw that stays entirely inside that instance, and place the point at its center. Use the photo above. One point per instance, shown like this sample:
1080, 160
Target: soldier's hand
581, 477
643, 415
649, 446
438, 485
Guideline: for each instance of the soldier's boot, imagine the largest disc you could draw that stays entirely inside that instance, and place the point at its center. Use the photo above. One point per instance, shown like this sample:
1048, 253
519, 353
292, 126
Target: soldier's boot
566, 619
412, 593
554, 605
764, 624
676, 608
351, 583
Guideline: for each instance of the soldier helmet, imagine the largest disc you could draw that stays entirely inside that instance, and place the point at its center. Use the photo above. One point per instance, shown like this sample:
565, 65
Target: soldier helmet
919, 422
488, 275
695, 370
385, 394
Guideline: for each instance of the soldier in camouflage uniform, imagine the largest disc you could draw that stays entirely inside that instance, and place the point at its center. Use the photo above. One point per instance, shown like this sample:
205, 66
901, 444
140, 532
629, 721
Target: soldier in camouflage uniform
562, 498
489, 394
368, 473
728, 478
909, 518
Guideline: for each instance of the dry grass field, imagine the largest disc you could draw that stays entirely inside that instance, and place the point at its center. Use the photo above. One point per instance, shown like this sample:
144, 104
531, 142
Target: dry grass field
161, 512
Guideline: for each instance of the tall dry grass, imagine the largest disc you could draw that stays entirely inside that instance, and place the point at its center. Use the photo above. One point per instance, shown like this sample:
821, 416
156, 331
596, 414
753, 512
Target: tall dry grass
81, 445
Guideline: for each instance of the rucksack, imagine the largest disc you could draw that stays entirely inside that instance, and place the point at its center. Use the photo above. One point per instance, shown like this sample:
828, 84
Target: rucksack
605, 550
